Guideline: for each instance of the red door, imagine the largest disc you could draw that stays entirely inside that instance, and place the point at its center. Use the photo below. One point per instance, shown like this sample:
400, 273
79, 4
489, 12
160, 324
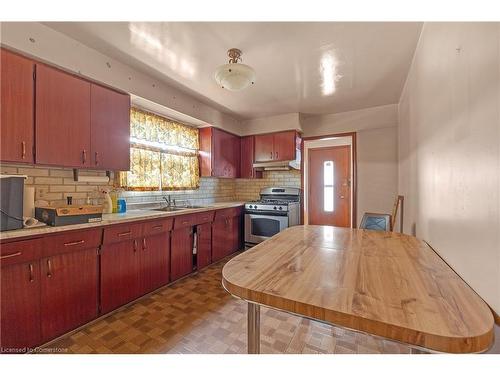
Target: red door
204, 249
62, 119
110, 129
181, 253
284, 146
329, 180
20, 305
264, 147
119, 274
17, 98
69, 291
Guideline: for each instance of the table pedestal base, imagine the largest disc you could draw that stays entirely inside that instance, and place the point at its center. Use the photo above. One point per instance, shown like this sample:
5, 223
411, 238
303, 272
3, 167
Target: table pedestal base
253, 329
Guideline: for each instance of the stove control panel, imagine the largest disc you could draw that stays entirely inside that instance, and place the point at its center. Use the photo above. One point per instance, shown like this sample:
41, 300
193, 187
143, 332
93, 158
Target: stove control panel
265, 207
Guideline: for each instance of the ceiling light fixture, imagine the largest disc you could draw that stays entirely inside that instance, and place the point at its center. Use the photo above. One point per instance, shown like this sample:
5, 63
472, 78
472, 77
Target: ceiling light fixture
234, 76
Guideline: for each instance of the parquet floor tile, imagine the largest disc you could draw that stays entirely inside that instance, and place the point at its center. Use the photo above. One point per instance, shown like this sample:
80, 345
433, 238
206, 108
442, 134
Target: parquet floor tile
196, 315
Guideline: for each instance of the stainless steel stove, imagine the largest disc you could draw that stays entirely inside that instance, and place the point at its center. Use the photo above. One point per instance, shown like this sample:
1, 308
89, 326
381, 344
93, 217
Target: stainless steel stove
277, 209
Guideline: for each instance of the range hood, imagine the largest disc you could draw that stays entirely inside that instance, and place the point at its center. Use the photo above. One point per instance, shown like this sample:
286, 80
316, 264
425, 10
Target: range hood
284, 165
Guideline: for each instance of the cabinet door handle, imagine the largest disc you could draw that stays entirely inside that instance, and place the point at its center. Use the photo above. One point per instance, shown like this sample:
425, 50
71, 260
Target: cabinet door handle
185, 222
271, 154
23, 145
158, 226
276, 153
135, 246
84, 156
49, 268
124, 234
10, 255
32, 278
96, 158
144, 247
74, 243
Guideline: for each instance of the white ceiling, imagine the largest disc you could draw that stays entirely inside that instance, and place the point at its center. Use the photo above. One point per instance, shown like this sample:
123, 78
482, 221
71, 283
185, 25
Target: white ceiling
311, 68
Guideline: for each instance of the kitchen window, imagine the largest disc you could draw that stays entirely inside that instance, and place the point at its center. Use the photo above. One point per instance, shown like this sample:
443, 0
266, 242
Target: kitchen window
163, 154
328, 188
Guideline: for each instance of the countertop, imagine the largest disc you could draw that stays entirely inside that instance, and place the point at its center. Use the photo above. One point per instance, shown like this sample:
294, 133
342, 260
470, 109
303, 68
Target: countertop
108, 219
383, 283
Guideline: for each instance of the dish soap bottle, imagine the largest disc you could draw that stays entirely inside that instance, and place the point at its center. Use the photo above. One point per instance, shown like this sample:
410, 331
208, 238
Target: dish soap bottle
108, 204
113, 194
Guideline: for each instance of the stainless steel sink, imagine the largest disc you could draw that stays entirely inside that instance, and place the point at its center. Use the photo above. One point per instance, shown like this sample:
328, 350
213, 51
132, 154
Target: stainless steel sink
172, 208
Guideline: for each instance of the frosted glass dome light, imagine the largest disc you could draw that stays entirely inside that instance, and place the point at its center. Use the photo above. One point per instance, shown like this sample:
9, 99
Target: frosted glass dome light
234, 76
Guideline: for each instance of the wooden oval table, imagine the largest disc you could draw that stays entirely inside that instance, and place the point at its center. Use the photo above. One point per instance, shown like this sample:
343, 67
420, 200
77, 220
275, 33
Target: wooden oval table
382, 283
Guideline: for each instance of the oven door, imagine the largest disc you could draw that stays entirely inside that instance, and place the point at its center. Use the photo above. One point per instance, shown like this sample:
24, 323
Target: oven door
259, 228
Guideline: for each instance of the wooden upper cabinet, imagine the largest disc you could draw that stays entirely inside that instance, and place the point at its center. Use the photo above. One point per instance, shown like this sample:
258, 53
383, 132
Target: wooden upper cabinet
219, 153
275, 146
284, 145
62, 119
247, 158
17, 100
109, 129
264, 147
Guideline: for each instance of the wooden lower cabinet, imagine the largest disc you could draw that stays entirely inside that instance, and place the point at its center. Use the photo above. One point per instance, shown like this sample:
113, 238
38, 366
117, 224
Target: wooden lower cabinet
69, 291
119, 274
181, 252
226, 237
155, 262
204, 246
20, 306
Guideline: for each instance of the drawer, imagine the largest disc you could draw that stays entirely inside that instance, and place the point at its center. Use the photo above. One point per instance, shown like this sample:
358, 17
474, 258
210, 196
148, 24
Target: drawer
20, 251
158, 226
122, 232
73, 241
204, 217
228, 212
184, 221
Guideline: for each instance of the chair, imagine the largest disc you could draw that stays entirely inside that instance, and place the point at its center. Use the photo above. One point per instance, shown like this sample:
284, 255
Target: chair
385, 222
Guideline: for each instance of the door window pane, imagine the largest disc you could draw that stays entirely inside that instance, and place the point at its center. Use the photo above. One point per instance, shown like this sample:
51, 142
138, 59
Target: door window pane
328, 180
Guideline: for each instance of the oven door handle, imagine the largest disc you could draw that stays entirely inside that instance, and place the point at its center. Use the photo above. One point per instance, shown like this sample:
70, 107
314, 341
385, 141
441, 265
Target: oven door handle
266, 213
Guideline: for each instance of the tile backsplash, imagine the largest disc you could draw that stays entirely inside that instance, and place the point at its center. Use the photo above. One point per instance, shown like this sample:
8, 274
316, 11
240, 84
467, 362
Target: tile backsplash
55, 184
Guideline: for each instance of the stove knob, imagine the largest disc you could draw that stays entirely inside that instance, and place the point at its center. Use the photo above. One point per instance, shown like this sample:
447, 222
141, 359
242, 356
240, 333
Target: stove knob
280, 208
274, 208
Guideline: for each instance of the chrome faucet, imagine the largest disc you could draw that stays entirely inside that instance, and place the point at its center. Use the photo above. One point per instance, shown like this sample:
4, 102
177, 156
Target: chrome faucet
168, 200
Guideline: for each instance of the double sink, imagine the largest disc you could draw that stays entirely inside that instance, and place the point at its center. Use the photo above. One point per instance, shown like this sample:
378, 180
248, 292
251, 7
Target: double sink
174, 208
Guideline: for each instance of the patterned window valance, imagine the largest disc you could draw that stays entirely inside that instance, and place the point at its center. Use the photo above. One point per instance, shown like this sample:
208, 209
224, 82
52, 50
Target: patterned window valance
163, 154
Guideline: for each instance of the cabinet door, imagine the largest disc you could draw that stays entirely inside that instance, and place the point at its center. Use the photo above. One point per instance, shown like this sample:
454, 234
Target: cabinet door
181, 253
204, 249
17, 98
62, 119
20, 305
264, 147
119, 274
222, 240
69, 291
284, 145
110, 129
236, 233
247, 159
155, 256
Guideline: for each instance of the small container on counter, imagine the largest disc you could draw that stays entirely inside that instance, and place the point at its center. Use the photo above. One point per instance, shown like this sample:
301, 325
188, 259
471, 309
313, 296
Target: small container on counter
121, 205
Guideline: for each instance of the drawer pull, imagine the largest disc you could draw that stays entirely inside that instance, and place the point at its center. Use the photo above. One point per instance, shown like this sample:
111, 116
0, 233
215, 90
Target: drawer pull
74, 243
49, 268
10, 255
124, 234
185, 222
32, 278
158, 226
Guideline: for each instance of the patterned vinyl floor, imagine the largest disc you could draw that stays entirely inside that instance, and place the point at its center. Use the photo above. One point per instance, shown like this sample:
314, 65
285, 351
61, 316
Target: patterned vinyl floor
196, 315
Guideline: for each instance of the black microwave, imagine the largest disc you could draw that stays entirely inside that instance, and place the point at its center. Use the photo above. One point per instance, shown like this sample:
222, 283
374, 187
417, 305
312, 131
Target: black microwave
11, 201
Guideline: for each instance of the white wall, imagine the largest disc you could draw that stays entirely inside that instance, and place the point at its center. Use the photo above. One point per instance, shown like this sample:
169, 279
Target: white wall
268, 124
449, 149
377, 170
56, 48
